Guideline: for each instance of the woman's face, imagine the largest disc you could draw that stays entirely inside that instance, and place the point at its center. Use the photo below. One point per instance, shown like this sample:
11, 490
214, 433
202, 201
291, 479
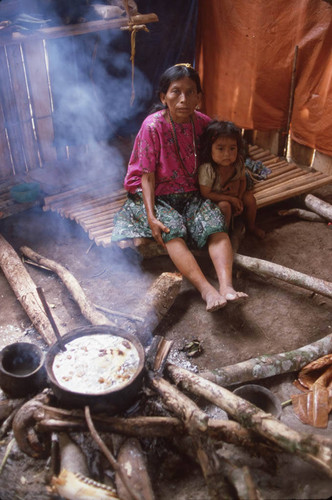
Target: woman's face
181, 99
224, 151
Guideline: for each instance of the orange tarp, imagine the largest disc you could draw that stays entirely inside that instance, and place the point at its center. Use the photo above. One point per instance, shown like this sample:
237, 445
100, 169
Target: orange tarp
245, 53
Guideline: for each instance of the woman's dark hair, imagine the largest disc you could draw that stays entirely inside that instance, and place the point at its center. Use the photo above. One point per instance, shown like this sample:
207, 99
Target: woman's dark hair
213, 131
173, 74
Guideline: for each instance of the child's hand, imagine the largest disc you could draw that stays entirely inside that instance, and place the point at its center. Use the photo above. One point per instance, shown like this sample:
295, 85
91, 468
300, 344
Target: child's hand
237, 206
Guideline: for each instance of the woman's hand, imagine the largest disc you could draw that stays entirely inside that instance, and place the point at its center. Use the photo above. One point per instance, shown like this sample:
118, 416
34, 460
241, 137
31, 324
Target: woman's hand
157, 228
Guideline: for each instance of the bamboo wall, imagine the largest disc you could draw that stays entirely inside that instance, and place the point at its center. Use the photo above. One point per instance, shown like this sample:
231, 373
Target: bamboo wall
29, 84
26, 128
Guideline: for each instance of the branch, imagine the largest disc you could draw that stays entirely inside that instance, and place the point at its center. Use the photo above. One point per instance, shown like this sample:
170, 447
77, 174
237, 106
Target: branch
269, 269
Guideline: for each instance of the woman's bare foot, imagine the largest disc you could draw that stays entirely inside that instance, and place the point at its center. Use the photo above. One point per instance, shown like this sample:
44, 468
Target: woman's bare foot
232, 295
256, 231
214, 300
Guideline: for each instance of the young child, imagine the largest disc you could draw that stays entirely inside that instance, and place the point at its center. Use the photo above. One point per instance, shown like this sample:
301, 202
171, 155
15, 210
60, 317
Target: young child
222, 176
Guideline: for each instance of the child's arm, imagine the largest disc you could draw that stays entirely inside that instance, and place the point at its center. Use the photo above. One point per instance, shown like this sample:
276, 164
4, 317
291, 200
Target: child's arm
207, 192
235, 202
242, 187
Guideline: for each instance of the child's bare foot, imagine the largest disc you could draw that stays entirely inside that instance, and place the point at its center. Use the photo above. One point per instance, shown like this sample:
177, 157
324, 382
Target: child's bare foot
214, 300
256, 231
232, 295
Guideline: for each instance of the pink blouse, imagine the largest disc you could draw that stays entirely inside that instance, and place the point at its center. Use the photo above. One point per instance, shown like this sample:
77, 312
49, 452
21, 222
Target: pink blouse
155, 151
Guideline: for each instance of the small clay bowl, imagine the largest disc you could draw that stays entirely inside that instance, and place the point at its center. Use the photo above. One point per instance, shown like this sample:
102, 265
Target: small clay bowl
22, 370
261, 397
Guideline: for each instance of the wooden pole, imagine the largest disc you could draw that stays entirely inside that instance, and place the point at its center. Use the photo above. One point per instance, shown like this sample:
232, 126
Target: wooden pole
270, 269
283, 145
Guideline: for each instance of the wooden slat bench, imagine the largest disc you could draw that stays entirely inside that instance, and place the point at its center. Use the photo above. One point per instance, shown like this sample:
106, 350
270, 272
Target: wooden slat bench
93, 206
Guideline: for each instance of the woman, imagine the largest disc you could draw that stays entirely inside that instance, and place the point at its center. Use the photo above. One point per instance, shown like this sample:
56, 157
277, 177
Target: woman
163, 198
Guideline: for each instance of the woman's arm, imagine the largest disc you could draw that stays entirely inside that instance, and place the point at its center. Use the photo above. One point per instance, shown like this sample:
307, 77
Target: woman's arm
148, 190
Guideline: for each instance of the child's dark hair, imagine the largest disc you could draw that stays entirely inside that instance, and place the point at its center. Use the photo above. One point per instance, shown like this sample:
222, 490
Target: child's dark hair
213, 131
173, 74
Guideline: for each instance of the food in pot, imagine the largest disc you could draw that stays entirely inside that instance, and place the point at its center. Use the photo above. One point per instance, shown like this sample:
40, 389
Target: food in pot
96, 364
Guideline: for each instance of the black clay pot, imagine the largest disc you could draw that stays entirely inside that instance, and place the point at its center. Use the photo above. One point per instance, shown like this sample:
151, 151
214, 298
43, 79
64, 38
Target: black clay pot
261, 397
22, 369
111, 401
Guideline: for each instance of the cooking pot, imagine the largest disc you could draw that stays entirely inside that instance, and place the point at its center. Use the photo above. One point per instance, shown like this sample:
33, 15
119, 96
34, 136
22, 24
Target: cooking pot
22, 370
111, 401
261, 397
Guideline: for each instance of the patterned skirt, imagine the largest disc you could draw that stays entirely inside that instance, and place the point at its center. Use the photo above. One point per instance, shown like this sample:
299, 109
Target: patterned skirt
187, 216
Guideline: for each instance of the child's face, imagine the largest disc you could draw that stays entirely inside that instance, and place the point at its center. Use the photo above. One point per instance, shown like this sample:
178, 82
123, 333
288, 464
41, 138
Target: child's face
181, 99
224, 151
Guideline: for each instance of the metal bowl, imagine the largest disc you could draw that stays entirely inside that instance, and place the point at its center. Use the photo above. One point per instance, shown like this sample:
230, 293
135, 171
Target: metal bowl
111, 401
22, 370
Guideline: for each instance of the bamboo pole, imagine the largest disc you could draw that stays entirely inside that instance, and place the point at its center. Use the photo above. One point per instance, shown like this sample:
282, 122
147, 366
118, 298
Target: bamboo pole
262, 155
283, 146
292, 183
262, 185
80, 28
93, 202
281, 170
276, 197
280, 163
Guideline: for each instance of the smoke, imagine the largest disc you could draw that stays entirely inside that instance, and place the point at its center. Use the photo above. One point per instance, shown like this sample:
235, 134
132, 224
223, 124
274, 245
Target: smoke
90, 83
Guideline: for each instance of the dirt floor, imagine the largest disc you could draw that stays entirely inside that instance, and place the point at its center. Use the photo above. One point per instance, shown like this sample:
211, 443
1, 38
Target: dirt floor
277, 317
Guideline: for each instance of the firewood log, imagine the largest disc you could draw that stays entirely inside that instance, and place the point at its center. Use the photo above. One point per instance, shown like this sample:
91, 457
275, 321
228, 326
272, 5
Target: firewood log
302, 214
307, 446
319, 206
26, 291
192, 416
133, 463
72, 457
269, 365
156, 303
49, 419
86, 306
270, 269
196, 423
29, 442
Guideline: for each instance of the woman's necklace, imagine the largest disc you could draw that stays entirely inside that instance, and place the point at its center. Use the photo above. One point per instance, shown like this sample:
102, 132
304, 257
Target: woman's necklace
178, 148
